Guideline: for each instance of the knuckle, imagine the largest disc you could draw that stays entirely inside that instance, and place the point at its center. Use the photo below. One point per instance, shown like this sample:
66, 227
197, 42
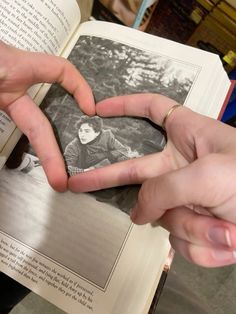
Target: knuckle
65, 68
193, 255
143, 198
134, 175
189, 230
209, 175
35, 130
199, 255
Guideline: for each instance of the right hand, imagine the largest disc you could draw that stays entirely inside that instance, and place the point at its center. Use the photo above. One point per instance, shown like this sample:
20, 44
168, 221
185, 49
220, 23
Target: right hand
19, 70
189, 188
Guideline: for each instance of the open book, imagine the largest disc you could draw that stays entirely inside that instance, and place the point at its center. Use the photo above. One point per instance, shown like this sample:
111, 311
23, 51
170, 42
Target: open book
81, 252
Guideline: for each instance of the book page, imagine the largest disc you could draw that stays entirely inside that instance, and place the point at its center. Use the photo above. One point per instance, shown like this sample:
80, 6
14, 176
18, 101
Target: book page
6, 128
201, 82
38, 25
44, 26
77, 251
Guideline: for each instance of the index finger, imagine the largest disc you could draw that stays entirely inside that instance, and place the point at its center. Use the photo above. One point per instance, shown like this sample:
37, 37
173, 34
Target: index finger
56, 69
133, 171
151, 106
28, 68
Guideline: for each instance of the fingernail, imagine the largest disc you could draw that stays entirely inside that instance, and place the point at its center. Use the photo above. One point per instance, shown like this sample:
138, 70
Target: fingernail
224, 255
134, 213
219, 235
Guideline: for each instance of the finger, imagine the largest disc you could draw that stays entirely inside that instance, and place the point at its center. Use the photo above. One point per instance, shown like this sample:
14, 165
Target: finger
203, 256
199, 183
193, 134
151, 106
55, 69
28, 68
133, 171
201, 230
31, 121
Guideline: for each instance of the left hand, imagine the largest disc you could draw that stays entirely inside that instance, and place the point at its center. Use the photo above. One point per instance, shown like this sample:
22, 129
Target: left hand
19, 70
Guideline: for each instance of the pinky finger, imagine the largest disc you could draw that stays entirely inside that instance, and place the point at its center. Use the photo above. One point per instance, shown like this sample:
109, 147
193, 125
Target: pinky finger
201, 255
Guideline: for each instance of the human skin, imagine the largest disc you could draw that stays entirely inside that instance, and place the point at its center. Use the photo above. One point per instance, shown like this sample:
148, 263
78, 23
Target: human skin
19, 70
188, 188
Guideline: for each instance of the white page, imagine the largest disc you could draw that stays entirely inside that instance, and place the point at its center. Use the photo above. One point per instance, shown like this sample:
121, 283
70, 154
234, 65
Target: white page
38, 25
6, 128
80, 254
43, 26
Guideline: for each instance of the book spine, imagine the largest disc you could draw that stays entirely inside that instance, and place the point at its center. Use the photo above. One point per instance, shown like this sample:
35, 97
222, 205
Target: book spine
223, 19
184, 17
221, 32
207, 4
212, 34
230, 61
161, 284
227, 9
215, 1
232, 3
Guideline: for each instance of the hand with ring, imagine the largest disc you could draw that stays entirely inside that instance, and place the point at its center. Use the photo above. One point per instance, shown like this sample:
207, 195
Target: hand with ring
188, 188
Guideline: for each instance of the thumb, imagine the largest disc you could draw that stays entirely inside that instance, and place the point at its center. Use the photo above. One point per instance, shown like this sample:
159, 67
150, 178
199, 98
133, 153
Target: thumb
199, 184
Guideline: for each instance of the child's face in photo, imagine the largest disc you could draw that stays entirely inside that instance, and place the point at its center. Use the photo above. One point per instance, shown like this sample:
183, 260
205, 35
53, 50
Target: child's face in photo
87, 133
